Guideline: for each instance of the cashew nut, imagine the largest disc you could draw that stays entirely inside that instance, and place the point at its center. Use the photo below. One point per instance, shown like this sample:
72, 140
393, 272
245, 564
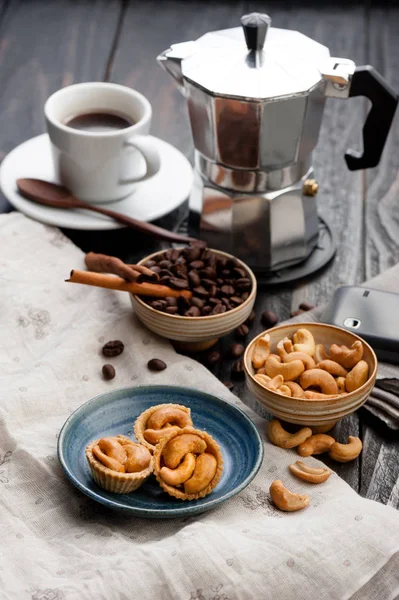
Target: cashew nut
357, 376
112, 448
304, 342
320, 353
138, 458
152, 436
347, 357
108, 461
269, 383
346, 452
181, 445
285, 346
319, 379
181, 473
261, 351
316, 444
282, 438
296, 390
341, 385
261, 371
284, 390
310, 474
305, 358
168, 415
311, 395
289, 371
286, 500
332, 367
204, 472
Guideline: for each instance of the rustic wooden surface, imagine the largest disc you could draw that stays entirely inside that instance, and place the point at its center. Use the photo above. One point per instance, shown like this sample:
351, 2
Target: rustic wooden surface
46, 44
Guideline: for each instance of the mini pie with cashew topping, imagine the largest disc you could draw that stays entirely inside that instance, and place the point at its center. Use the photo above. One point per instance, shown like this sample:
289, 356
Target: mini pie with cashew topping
118, 464
188, 463
157, 421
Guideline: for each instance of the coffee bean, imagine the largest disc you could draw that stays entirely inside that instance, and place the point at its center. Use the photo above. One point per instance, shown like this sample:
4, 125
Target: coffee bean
212, 261
183, 303
158, 305
193, 311
236, 300
296, 313
269, 318
237, 370
178, 284
228, 384
171, 301
239, 272
194, 278
172, 310
251, 318
236, 350
209, 273
242, 331
198, 244
180, 261
165, 273
113, 348
165, 264
192, 254
207, 283
108, 372
306, 306
214, 301
156, 364
198, 302
245, 295
206, 310
220, 281
219, 309
197, 264
174, 254
165, 281
200, 292
167, 255
150, 263
227, 290
213, 357
221, 263
225, 273
156, 269
243, 284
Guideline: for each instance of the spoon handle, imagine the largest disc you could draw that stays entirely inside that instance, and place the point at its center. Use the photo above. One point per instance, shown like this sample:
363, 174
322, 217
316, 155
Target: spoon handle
153, 230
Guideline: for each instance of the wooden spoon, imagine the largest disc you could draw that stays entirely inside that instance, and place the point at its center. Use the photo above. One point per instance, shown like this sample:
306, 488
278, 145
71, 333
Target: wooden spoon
51, 194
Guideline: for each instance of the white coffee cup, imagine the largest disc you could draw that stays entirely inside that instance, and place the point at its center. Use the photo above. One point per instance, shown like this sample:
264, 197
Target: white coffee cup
101, 166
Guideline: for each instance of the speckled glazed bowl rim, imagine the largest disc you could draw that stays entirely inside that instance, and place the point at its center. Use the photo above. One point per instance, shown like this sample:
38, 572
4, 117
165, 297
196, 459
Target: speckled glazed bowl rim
207, 318
180, 510
313, 325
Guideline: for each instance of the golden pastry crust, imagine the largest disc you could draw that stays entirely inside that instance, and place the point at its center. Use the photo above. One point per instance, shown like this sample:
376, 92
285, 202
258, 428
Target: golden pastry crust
114, 481
212, 447
140, 424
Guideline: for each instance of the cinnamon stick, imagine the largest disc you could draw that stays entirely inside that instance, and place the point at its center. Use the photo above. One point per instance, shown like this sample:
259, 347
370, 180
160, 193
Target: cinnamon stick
112, 282
101, 263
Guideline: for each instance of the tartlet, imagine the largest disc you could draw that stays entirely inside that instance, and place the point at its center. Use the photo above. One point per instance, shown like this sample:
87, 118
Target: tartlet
149, 426
130, 463
188, 463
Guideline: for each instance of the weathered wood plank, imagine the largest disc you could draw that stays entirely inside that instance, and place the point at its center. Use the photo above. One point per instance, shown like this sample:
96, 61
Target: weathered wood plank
44, 46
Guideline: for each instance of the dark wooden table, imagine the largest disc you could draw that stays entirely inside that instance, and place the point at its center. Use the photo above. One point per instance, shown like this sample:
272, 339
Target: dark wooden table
47, 44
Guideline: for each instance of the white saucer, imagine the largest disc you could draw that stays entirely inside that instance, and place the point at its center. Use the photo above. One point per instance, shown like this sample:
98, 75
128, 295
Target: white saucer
151, 200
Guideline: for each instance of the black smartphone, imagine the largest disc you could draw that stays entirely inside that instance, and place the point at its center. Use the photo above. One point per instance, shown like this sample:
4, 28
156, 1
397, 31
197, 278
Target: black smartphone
372, 314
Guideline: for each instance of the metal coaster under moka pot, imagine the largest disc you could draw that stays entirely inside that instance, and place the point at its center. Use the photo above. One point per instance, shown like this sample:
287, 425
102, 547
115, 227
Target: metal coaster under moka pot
256, 97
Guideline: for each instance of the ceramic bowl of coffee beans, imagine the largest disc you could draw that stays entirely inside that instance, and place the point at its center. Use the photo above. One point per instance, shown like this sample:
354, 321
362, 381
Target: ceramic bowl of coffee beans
310, 374
223, 294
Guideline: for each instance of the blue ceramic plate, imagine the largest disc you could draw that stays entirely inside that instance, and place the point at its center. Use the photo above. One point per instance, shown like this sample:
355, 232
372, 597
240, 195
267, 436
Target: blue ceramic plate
115, 412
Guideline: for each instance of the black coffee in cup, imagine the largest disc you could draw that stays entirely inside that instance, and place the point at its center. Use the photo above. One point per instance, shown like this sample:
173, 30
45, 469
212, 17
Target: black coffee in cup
99, 121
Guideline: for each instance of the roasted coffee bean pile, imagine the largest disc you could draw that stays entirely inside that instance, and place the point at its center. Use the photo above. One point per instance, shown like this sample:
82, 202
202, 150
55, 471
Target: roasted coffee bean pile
217, 284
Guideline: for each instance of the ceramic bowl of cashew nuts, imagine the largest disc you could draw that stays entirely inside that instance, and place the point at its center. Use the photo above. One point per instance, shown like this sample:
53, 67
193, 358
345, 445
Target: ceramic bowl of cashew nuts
310, 374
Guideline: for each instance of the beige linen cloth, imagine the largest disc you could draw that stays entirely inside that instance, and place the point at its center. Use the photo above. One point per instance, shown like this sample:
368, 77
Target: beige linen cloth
57, 544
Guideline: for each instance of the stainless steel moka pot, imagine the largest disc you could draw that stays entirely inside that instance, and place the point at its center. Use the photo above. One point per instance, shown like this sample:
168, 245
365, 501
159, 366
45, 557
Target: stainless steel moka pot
255, 98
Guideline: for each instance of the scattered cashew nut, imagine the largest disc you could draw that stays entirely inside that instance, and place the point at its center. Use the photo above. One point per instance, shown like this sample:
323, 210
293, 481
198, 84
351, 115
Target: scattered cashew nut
286, 500
316, 444
181, 473
309, 474
261, 351
319, 379
357, 376
282, 438
289, 371
346, 452
204, 472
347, 357
304, 342
332, 367
178, 447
